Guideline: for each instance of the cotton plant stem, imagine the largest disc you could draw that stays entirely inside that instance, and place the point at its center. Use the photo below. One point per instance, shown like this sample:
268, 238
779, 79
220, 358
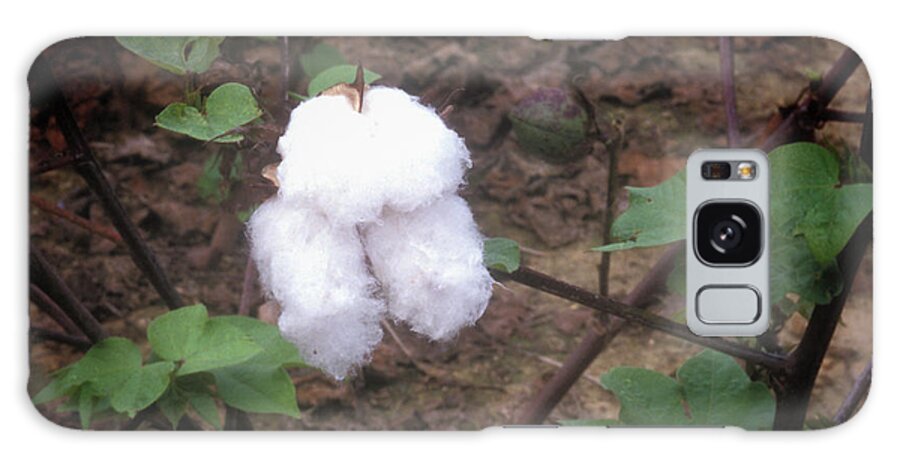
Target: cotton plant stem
726, 64
795, 385
46, 91
596, 340
857, 395
45, 277
802, 120
78, 342
46, 304
566, 291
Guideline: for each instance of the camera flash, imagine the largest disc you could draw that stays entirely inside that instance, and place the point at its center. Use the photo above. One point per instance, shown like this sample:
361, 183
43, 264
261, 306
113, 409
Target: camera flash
746, 170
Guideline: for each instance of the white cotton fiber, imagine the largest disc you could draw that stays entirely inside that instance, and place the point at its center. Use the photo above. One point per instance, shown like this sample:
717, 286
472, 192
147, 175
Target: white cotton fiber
367, 223
429, 263
396, 153
318, 275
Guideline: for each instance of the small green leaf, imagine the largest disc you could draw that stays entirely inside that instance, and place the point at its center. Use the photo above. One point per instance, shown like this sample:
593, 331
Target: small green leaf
502, 254
321, 58
646, 397
655, 216
174, 335
712, 385
206, 407
228, 107
57, 388
257, 388
86, 400
172, 405
335, 75
219, 345
178, 55
719, 392
276, 351
212, 185
811, 201
144, 387
107, 365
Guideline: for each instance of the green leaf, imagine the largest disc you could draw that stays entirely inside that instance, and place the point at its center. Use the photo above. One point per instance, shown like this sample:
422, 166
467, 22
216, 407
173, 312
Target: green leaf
219, 345
228, 107
321, 58
179, 55
107, 365
57, 388
719, 392
551, 124
502, 254
257, 388
646, 397
206, 407
335, 75
174, 335
275, 350
212, 185
655, 216
716, 391
810, 200
144, 387
172, 405
86, 401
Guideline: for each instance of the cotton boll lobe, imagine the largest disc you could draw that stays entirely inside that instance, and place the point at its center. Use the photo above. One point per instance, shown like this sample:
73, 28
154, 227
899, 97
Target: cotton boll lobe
395, 153
318, 274
429, 262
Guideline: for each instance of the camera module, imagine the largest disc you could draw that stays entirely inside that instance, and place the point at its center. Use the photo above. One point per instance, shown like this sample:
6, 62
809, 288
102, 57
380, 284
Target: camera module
728, 233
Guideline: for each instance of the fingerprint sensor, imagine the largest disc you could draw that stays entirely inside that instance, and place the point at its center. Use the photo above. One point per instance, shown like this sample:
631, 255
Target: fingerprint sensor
728, 304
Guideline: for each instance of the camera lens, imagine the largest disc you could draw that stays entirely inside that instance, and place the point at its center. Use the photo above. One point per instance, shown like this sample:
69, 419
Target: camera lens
728, 233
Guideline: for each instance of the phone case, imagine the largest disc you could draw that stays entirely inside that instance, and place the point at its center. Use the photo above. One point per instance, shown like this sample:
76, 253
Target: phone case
399, 233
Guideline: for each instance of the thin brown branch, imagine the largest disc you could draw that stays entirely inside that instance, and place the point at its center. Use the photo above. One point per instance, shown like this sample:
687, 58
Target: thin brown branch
46, 304
46, 91
857, 395
830, 115
92, 227
805, 116
596, 340
78, 342
726, 63
569, 292
45, 277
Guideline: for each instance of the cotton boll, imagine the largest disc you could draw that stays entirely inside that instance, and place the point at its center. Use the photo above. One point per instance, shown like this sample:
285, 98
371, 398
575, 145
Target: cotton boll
396, 153
429, 262
318, 275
